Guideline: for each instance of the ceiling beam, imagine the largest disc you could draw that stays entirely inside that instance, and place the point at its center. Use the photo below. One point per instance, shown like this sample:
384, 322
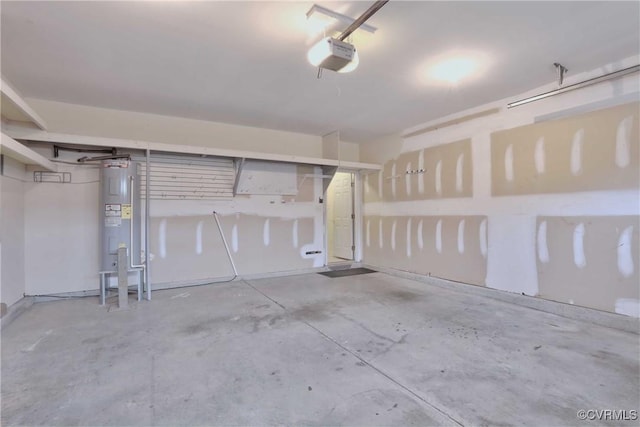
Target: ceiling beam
16, 99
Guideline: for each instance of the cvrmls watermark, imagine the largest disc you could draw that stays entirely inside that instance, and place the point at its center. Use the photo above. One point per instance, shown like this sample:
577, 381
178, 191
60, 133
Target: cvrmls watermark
608, 414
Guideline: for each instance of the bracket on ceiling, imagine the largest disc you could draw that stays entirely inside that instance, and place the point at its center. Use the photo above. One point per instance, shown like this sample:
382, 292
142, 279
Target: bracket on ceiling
561, 72
238, 164
339, 17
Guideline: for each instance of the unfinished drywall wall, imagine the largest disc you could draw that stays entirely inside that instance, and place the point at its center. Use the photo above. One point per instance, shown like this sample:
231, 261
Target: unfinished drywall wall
307, 177
349, 151
335, 148
590, 261
266, 233
331, 146
62, 232
588, 152
372, 183
572, 165
431, 245
186, 250
189, 249
444, 171
102, 122
269, 244
382, 149
12, 231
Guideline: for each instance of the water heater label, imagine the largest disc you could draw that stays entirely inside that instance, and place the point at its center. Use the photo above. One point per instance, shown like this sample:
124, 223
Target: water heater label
126, 212
116, 164
112, 210
112, 221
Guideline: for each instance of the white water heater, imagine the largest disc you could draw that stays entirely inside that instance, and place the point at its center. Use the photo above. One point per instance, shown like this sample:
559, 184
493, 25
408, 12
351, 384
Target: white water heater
120, 216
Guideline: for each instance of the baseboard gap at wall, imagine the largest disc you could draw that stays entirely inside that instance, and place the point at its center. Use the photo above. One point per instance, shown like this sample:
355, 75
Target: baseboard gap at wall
64, 295
585, 314
256, 276
15, 310
293, 272
174, 285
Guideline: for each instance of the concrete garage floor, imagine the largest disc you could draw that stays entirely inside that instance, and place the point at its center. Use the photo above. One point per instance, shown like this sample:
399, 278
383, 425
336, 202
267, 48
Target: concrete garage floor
309, 350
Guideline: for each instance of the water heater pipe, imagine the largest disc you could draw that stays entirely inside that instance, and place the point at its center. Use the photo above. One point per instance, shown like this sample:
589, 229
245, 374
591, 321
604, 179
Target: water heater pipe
147, 221
131, 264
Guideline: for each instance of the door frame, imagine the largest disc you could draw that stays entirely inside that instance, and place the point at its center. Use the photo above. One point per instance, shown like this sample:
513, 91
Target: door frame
357, 220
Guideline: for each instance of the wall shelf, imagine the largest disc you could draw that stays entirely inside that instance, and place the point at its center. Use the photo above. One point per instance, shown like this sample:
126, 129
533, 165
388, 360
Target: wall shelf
11, 148
21, 132
14, 107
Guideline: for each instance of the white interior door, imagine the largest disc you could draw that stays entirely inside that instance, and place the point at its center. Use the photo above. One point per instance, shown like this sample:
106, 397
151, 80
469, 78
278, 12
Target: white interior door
342, 215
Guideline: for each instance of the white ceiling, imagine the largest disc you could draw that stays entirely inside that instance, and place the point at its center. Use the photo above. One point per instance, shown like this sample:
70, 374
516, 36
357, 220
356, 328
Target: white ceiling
245, 62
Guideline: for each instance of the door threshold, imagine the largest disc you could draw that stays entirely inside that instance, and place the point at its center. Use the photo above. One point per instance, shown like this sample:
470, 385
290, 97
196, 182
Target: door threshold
340, 264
